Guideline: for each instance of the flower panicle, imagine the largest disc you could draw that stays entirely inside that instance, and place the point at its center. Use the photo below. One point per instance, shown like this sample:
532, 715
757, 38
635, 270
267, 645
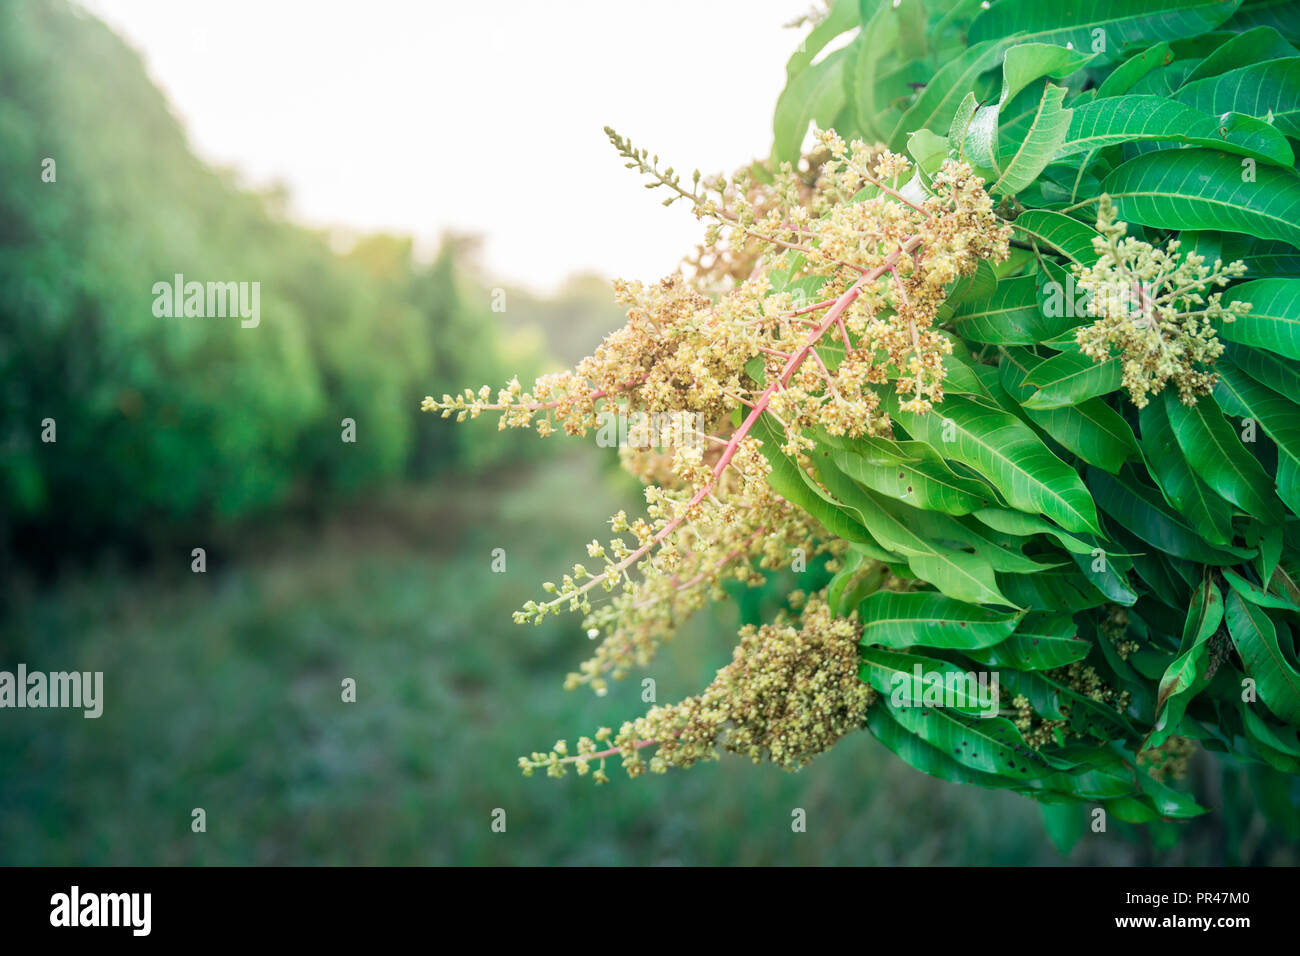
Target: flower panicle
1153, 311
852, 258
789, 693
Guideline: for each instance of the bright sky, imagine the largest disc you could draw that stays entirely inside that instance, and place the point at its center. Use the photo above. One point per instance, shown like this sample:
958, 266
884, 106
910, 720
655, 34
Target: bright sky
482, 115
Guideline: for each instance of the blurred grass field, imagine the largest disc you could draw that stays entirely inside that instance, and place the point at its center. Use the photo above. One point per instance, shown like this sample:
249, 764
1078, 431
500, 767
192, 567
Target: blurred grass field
222, 691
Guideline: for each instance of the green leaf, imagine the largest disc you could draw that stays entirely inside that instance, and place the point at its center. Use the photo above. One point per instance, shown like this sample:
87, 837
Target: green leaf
1218, 457
791, 482
1280, 418
1143, 512
816, 94
935, 108
843, 16
1125, 23
1255, 594
1032, 151
1283, 15
1255, 637
1108, 573
1056, 590
906, 678
911, 472
1026, 62
1200, 189
1057, 233
1154, 119
988, 745
1288, 482
1070, 378
1164, 81
1001, 552
1092, 429
879, 35
1042, 641
1009, 315
1123, 77
1019, 523
1268, 90
919, 755
1272, 371
957, 574
1055, 700
1185, 676
901, 619
1004, 450
1244, 49
1209, 514
928, 149
1273, 321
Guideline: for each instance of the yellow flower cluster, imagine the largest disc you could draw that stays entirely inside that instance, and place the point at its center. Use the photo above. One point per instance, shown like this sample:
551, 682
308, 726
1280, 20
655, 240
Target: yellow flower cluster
1152, 311
1041, 731
788, 694
743, 524
1169, 760
840, 303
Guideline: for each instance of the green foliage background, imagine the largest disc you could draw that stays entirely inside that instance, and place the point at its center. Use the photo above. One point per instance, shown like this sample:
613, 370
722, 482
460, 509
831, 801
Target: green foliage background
187, 423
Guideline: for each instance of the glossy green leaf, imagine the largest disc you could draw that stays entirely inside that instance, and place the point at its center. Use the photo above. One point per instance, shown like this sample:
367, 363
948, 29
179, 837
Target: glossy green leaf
1201, 189
1142, 511
900, 619
791, 483
1058, 233
988, 745
1123, 77
815, 95
1005, 450
843, 16
1243, 50
1046, 132
1215, 452
1154, 119
962, 576
1268, 369
919, 755
1125, 23
935, 108
1257, 595
1042, 641
1273, 321
879, 35
1255, 637
1204, 510
1056, 700
1070, 378
911, 679
1017, 522
1009, 315
911, 472
1266, 90
1092, 429
1186, 675
1279, 417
